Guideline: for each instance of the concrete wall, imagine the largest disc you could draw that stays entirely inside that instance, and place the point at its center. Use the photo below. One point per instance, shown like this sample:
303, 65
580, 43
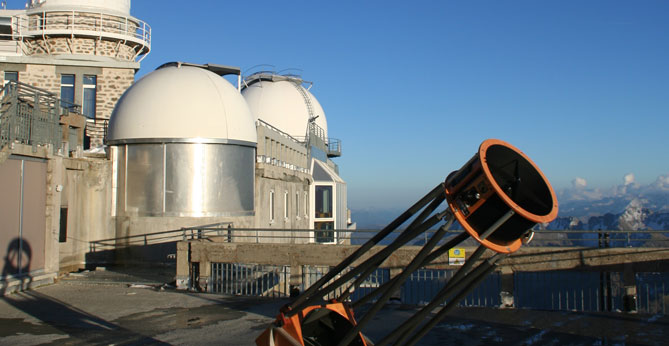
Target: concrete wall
87, 196
297, 255
281, 181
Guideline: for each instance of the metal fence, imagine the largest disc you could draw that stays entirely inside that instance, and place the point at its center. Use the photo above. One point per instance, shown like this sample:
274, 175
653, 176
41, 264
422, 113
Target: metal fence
569, 290
29, 115
250, 279
424, 284
652, 292
556, 291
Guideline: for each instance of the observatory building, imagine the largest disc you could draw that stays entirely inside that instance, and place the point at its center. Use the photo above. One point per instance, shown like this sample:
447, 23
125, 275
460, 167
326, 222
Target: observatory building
183, 147
84, 51
259, 159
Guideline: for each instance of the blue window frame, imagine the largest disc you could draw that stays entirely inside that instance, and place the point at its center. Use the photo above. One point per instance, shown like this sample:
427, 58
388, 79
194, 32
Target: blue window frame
90, 93
67, 90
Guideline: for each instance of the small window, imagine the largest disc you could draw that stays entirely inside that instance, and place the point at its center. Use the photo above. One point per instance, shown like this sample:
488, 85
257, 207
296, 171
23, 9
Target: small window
306, 204
62, 236
67, 90
90, 91
11, 76
297, 204
285, 205
271, 206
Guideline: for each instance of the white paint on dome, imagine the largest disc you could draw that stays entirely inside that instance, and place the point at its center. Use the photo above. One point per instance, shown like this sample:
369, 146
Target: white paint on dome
282, 105
115, 6
182, 103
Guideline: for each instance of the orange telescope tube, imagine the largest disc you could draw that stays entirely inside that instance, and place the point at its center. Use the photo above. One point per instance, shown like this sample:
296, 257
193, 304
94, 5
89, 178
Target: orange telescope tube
499, 195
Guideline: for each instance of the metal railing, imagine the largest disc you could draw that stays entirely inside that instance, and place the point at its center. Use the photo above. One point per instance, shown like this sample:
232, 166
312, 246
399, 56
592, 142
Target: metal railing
250, 280
184, 233
82, 23
30, 115
334, 147
552, 290
547, 238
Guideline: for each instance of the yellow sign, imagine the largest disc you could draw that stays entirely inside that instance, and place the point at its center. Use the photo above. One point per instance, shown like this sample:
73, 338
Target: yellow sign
456, 256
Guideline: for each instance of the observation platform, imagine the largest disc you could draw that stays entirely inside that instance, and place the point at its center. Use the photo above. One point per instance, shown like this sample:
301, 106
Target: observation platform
138, 307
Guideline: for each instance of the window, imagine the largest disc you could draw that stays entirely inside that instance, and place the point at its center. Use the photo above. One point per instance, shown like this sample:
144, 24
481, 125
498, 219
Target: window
67, 90
11, 76
297, 205
90, 87
285, 205
271, 206
306, 204
324, 233
323, 201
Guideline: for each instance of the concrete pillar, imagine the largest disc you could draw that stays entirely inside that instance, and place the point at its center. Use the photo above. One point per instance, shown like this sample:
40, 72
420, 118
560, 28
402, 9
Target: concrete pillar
397, 294
55, 172
506, 292
205, 276
295, 278
629, 282
183, 265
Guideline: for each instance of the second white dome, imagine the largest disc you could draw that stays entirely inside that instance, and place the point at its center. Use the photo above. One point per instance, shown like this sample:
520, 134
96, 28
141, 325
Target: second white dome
284, 104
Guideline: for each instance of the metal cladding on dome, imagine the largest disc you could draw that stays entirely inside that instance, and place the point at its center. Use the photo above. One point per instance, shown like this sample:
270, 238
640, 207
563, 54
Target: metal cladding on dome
182, 104
112, 6
284, 103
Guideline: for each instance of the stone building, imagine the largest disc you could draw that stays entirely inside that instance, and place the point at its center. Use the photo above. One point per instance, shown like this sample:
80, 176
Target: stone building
85, 51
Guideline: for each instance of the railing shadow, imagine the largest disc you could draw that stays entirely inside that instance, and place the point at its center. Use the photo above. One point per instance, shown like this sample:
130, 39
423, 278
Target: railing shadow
76, 323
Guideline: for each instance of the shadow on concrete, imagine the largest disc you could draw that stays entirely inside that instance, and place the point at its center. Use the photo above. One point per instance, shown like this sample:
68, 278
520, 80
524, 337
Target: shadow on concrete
146, 255
16, 265
83, 327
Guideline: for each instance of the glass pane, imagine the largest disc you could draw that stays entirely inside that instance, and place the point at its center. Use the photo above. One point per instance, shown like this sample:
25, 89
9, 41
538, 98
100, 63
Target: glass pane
11, 76
324, 236
67, 79
89, 102
323, 201
90, 80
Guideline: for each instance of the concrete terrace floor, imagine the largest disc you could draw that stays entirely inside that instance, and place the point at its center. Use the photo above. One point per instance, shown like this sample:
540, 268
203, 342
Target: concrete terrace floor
129, 307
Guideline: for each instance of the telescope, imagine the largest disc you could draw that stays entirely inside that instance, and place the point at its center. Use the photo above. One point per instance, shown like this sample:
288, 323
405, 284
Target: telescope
497, 197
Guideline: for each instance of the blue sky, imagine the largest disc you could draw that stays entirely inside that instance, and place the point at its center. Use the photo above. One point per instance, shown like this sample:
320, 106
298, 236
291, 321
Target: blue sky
413, 88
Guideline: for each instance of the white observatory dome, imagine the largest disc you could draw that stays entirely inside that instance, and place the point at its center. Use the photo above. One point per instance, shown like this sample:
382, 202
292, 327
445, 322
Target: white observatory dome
110, 6
185, 102
285, 104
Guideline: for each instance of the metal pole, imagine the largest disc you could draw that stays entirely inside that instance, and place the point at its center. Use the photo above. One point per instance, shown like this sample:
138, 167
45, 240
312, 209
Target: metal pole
469, 263
438, 190
428, 210
490, 265
431, 257
407, 327
496, 225
372, 262
20, 254
415, 264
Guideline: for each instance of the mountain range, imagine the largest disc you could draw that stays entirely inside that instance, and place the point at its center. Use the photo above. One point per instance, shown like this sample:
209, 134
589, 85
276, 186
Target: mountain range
627, 207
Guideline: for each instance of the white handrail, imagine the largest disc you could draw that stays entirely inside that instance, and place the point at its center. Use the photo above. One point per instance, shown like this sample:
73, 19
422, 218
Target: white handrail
84, 23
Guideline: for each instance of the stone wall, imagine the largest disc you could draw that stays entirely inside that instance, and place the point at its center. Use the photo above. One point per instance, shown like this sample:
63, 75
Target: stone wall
111, 84
80, 46
66, 34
